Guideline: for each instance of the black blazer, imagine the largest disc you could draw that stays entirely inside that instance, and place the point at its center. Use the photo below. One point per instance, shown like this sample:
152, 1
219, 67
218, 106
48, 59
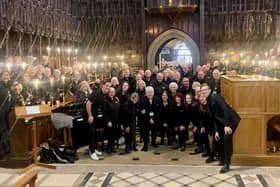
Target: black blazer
151, 110
222, 113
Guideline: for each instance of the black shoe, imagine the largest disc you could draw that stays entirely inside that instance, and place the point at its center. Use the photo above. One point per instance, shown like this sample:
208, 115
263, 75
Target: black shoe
183, 148
113, 150
135, 149
209, 159
175, 146
196, 151
127, 150
109, 151
154, 145
145, 149
221, 163
225, 169
205, 155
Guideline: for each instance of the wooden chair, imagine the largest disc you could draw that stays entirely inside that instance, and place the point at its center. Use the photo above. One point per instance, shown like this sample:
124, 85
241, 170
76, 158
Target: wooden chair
28, 179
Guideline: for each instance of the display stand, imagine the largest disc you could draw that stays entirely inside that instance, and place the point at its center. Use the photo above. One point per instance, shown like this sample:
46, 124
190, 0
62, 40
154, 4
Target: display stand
34, 113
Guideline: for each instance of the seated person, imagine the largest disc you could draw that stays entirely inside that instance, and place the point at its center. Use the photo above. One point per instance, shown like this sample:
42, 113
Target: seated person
273, 132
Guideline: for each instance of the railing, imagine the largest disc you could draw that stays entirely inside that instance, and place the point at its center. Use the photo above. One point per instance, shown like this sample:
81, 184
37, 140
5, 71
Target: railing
170, 3
29, 179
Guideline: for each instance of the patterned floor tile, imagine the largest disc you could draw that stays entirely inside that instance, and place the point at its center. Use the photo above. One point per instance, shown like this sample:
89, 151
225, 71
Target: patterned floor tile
225, 184
146, 184
211, 180
172, 175
159, 180
223, 176
135, 180
148, 175
250, 179
198, 184
185, 180
120, 184
172, 184
125, 175
198, 176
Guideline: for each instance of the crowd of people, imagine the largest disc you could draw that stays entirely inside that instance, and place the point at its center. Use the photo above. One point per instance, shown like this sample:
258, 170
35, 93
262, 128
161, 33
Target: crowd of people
167, 106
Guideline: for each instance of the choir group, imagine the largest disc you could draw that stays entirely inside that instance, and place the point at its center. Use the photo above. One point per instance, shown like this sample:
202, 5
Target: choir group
169, 106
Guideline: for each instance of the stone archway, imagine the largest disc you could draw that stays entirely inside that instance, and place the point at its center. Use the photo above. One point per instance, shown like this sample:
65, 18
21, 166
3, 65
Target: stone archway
169, 35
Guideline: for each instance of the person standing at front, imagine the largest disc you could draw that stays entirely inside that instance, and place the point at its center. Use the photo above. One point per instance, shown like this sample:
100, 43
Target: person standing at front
95, 107
225, 120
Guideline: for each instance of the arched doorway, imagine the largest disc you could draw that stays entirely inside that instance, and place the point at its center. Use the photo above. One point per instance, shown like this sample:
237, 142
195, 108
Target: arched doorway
173, 37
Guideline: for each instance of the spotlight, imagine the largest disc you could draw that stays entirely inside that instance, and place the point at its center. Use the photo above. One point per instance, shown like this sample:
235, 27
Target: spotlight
58, 49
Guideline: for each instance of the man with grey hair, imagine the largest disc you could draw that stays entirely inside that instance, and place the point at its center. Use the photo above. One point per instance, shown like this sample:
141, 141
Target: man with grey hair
149, 108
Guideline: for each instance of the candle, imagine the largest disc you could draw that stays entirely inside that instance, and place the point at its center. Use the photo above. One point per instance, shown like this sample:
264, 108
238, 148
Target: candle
51, 82
63, 79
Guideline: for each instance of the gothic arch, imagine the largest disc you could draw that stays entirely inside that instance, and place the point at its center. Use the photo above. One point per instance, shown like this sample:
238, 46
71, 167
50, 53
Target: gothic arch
169, 35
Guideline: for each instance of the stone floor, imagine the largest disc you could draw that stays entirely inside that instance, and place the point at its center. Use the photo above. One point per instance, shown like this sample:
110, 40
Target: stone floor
92, 175
149, 170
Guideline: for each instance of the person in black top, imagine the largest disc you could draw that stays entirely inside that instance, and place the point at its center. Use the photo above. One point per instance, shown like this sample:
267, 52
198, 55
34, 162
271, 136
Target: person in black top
130, 126
185, 87
159, 85
115, 84
129, 79
180, 121
149, 108
215, 83
123, 96
165, 118
225, 120
140, 90
112, 108
207, 129
96, 118
5, 105
148, 80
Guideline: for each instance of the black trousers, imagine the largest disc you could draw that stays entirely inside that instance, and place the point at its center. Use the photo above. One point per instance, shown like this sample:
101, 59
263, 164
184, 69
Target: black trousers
128, 137
147, 127
225, 146
93, 138
165, 130
111, 136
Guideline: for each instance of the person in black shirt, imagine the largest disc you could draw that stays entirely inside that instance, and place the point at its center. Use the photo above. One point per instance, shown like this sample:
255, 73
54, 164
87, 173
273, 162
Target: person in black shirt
140, 90
5, 105
96, 118
180, 121
115, 84
130, 126
148, 80
225, 120
112, 108
185, 87
129, 79
207, 129
215, 83
149, 108
159, 85
165, 118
